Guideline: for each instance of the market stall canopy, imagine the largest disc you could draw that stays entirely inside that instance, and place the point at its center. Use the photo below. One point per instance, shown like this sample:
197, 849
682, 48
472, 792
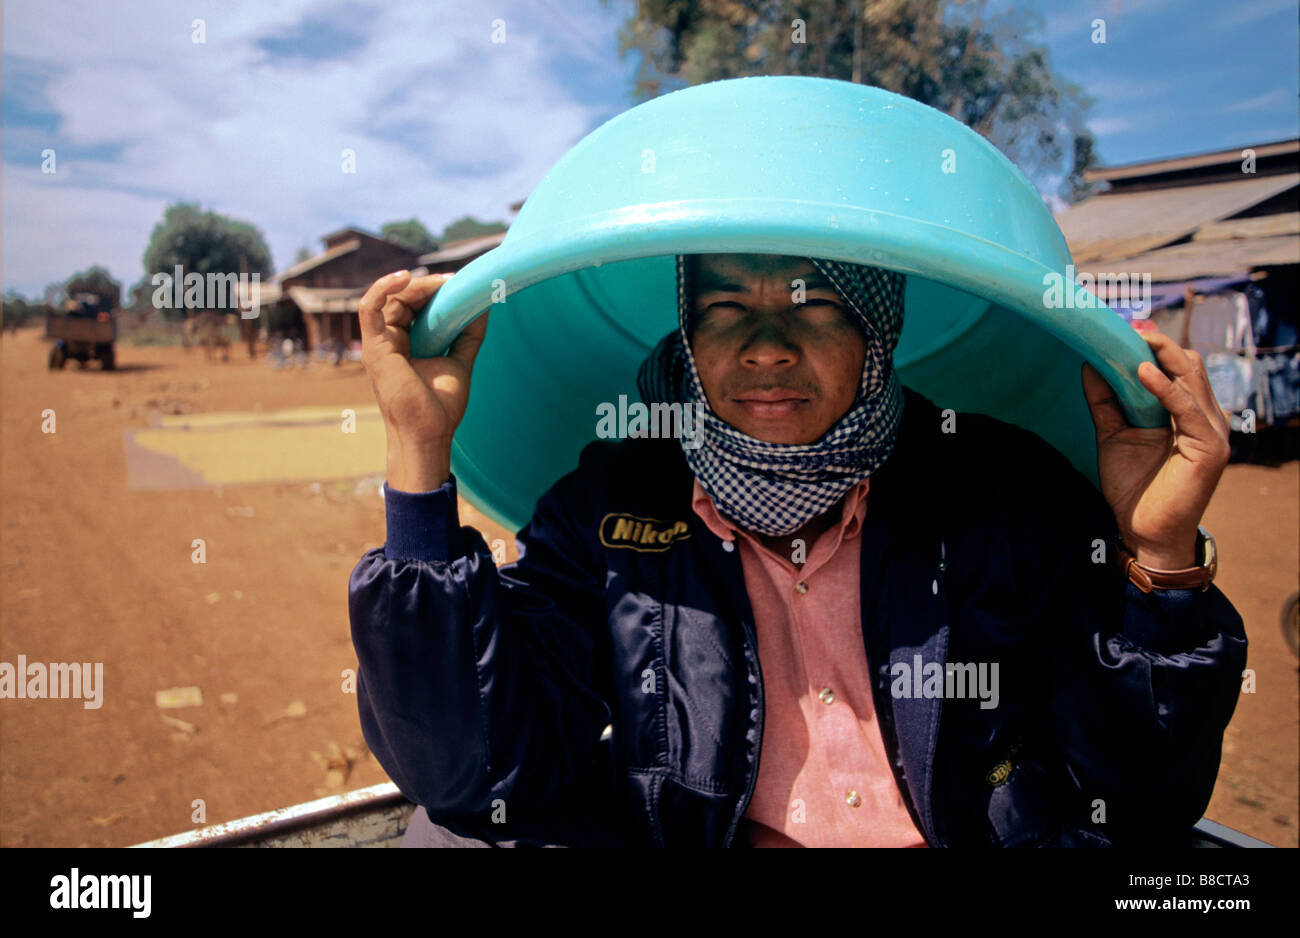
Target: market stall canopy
583, 285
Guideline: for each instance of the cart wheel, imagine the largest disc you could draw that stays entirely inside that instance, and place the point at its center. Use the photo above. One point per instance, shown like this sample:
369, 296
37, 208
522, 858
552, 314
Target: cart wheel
57, 358
1291, 623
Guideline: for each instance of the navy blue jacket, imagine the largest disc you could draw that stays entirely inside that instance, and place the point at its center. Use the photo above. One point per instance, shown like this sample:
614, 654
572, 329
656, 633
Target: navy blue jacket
513, 702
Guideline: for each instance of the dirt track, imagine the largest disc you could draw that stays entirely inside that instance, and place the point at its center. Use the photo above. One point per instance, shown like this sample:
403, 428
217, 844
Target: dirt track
95, 572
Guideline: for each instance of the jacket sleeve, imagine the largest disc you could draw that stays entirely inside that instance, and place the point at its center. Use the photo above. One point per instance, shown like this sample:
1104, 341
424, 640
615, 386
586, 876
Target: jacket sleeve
477, 683
1141, 686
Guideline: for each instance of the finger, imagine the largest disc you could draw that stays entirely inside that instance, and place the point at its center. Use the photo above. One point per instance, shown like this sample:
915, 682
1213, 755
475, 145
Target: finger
370, 311
1173, 360
417, 293
1204, 393
1106, 413
397, 314
1193, 426
466, 346
401, 308
1187, 368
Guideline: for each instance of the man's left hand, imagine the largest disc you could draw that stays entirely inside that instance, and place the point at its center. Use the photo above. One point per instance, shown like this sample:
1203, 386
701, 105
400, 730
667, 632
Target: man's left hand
1159, 480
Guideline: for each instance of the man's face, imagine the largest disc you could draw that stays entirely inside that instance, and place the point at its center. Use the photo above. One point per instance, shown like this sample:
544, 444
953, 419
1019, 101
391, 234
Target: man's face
775, 369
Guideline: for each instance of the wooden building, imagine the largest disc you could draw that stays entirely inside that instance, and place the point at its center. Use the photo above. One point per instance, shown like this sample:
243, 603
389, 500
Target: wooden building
325, 289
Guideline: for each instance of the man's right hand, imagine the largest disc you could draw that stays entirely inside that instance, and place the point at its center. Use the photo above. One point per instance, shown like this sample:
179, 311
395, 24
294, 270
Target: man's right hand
422, 400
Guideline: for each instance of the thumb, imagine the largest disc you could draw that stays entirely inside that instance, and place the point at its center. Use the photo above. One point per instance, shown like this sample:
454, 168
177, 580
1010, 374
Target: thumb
466, 345
1106, 413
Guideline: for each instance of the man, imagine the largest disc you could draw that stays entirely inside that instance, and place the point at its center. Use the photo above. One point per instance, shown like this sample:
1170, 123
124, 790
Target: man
917, 619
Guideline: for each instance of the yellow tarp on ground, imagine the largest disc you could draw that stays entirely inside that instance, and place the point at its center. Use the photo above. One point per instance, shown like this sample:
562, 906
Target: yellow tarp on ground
230, 447
324, 413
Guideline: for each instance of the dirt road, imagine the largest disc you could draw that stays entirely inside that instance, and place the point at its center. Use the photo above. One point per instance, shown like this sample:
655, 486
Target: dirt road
96, 571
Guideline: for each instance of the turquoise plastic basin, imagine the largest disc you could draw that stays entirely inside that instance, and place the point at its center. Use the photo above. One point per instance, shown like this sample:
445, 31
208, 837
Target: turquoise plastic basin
779, 165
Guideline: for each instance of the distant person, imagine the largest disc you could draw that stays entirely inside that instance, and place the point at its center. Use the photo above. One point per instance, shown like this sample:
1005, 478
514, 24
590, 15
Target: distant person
809, 584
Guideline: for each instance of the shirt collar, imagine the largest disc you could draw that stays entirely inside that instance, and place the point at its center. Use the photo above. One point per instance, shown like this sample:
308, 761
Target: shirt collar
853, 510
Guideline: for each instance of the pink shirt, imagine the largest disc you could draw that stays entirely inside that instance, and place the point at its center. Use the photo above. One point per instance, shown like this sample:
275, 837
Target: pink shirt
823, 776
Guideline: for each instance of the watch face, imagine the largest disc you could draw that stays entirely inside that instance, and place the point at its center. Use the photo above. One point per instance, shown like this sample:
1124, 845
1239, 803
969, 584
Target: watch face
1210, 555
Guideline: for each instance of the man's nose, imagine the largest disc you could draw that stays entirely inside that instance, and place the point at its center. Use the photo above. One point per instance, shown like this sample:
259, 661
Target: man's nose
769, 346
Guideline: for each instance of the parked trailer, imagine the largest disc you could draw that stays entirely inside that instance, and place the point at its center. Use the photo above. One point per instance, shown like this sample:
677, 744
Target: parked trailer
84, 333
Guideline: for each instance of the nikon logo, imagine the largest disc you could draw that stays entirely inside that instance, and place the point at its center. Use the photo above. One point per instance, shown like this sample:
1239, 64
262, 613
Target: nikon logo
648, 534
999, 773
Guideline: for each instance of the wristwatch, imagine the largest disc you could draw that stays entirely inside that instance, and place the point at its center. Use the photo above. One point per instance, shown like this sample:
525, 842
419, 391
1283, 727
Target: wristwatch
1149, 578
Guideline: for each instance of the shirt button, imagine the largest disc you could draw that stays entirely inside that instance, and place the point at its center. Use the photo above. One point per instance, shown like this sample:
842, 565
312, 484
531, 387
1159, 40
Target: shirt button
853, 799
728, 546
801, 587
827, 695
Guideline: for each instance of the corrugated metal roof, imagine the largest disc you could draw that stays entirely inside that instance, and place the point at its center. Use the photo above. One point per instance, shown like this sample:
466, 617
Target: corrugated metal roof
1204, 259
1260, 226
1132, 223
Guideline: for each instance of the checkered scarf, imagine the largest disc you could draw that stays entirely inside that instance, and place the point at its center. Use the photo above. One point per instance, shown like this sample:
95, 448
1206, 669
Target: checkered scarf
773, 488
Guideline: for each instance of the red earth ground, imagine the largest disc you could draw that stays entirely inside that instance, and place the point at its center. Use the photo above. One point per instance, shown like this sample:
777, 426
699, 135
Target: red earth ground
93, 571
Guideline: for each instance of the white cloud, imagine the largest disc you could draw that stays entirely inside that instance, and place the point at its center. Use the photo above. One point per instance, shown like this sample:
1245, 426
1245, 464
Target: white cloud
1111, 89
1267, 101
443, 121
55, 227
1101, 126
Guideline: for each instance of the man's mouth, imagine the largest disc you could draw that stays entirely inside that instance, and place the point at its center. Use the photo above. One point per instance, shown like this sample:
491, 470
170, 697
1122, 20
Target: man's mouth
776, 403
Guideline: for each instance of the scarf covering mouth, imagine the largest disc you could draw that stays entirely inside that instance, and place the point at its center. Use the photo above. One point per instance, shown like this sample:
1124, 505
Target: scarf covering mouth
777, 488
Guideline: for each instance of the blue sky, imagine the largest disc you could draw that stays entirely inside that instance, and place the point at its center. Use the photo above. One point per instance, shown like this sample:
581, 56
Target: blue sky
444, 122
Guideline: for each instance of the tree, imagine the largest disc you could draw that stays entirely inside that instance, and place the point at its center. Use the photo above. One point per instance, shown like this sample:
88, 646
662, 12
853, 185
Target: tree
204, 243
470, 227
96, 280
18, 310
410, 234
139, 295
948, 54
303, 254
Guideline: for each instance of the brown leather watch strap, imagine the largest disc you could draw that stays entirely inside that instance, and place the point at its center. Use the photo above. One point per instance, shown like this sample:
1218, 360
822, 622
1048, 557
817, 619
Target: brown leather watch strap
1149, 578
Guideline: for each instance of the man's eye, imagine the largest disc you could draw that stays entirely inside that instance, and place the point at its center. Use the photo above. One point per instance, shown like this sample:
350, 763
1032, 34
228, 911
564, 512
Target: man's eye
722, 308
